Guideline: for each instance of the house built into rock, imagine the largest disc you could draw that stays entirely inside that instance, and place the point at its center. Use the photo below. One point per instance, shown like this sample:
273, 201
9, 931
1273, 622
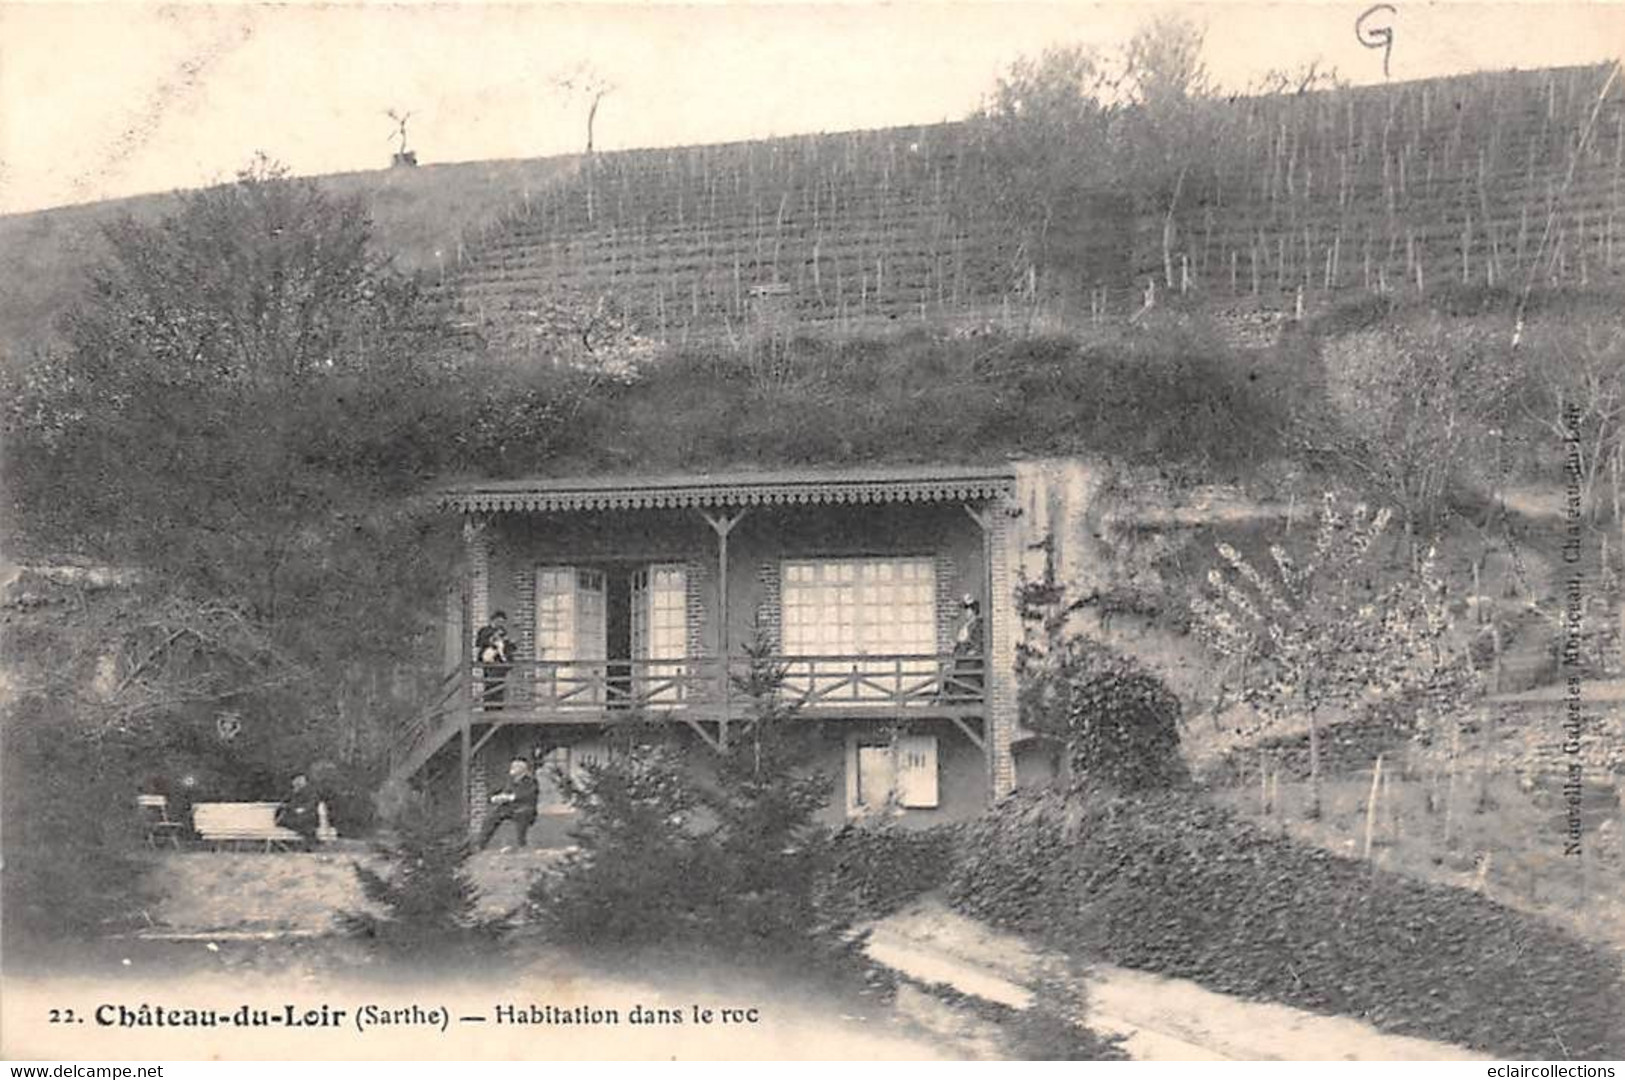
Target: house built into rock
644, 597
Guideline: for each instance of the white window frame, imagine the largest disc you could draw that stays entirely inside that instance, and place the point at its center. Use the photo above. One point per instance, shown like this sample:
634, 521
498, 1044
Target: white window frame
659, 604
847, 608
916, 774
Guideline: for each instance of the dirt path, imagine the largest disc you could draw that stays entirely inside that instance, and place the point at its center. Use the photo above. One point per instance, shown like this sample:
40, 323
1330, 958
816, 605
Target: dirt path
1162, 1019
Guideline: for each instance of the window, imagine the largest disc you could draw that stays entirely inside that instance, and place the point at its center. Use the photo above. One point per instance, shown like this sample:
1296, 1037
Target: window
660, 630
858, 606
841, 609
891, 773
570, 625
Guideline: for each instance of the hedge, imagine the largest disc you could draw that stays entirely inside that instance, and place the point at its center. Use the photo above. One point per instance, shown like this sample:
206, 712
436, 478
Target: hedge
877, 870
1166, 884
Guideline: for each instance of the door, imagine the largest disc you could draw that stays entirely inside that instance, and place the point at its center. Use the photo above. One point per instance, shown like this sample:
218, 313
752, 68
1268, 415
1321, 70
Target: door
571, 632
660, 632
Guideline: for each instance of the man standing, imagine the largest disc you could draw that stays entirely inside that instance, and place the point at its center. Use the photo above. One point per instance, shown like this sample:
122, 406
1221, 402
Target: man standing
494, 650
516, 803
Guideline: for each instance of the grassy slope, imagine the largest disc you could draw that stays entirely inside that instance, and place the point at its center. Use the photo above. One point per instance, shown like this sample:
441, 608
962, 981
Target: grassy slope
422, 217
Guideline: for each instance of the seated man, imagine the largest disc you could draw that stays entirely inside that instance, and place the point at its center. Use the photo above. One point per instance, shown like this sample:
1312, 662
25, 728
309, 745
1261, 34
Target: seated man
299, 810
516, 803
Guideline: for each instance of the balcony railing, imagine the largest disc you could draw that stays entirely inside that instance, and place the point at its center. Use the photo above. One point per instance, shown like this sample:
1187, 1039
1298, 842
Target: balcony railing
594, 686
594, 691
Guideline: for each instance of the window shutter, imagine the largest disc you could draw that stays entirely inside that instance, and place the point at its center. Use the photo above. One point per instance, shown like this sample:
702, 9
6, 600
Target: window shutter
917, 770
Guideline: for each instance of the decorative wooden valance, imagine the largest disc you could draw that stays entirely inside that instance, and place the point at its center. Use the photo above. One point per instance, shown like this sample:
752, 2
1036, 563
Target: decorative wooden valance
899, 485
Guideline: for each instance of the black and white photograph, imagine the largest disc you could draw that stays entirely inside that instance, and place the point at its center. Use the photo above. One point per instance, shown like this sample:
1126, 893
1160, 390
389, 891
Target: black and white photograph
918, 531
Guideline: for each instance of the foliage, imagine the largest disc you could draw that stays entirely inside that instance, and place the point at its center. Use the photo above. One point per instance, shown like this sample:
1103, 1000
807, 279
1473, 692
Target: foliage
1174, 395
425, 901
1317, 631
1165, 884
730, 865
638, 873
243, 408
1118, 721
1424, 407
69, 830
877, 869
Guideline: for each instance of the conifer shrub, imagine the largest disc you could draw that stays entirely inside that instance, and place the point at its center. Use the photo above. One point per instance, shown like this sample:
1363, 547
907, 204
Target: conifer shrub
423, 902
729, 864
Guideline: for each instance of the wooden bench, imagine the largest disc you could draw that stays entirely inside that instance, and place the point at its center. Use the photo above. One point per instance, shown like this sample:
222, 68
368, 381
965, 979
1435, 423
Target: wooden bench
249, 823
161, 829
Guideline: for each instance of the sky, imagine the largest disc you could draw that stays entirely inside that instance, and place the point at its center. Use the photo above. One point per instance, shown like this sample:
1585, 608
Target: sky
121, 97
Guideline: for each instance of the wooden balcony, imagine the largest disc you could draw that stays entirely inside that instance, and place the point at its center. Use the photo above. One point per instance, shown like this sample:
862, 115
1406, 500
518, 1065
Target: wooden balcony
693, 690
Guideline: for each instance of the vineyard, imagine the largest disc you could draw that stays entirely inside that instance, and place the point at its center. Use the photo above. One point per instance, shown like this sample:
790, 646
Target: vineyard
1503, 180
1506, 180
838, 230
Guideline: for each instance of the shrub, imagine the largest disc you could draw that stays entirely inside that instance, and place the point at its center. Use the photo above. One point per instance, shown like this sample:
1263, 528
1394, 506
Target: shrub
1164, 884
1118, 721
69, 828
638, 873
731, 866
428, 903
878, 869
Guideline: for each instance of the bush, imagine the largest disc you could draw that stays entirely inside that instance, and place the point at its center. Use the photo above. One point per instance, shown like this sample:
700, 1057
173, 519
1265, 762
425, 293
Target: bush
1164, 884
878, 869
69, 829
1118, 721
638, 874
429, 905
731, 866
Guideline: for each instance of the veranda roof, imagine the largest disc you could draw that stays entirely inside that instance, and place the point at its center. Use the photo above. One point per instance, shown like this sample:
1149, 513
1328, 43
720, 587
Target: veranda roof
891, 484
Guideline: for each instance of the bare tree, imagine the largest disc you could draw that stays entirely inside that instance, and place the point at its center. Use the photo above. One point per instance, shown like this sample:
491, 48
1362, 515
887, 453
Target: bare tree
403, 156
591, 85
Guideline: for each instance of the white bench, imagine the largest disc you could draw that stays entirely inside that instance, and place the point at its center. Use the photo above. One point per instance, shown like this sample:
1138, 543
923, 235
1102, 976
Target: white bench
229, 824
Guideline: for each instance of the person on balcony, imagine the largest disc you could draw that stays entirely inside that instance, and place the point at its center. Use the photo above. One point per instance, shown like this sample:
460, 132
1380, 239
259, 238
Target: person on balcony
494, 650
515, 803
970, 652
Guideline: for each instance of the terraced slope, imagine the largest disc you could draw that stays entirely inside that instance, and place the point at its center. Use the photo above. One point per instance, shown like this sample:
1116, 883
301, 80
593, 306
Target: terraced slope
1497, 179
1489, 179
832, 229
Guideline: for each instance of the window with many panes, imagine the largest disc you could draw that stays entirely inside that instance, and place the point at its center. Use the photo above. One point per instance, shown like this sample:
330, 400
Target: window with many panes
842, 607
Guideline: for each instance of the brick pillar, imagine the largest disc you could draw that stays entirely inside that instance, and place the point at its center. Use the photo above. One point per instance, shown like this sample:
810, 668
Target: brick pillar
479, 789
477, 544
947, 601
700, 577
1004, 631
770, 610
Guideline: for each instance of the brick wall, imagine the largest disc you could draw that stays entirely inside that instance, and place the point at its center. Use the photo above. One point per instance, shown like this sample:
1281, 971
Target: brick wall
1003, 634
948, 597
700, 576
769, 609
477, 543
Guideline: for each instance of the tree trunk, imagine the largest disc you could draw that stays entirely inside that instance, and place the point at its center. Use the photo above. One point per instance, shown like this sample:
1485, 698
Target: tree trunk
1314, 766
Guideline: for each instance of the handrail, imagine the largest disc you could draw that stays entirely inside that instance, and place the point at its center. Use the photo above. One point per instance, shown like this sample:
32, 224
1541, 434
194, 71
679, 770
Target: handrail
577, 689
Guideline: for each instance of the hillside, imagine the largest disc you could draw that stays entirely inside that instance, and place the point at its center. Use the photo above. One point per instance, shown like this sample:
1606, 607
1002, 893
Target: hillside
421, 217
1488, 179
1492, 179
